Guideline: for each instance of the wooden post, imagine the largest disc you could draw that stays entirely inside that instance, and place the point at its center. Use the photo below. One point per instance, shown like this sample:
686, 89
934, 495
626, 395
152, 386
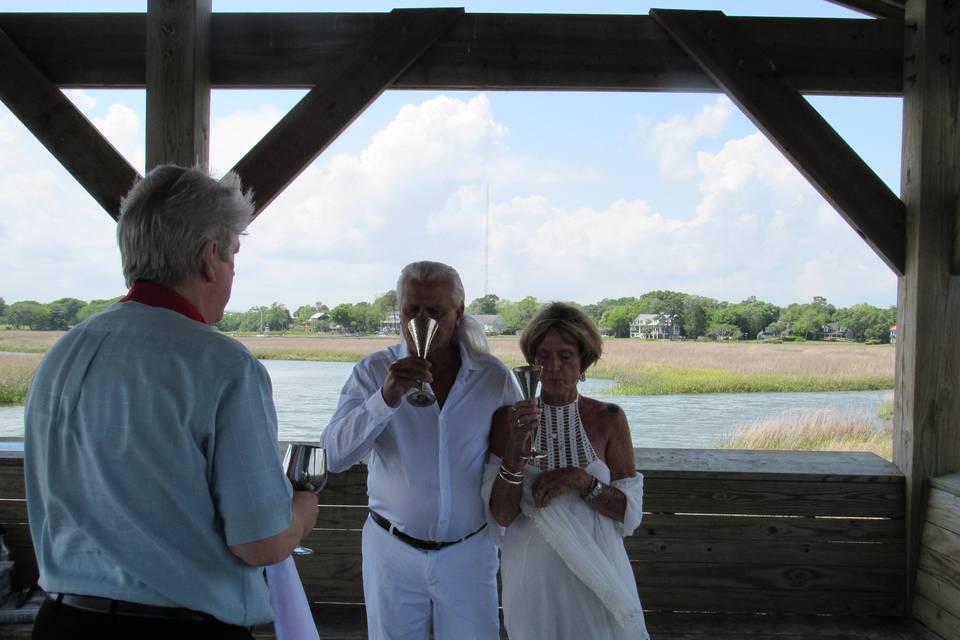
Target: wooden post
178, 82
927, 421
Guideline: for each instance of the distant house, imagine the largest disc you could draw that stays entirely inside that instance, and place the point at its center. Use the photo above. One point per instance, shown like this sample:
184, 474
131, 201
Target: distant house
834, 331
655, 326
492, 324
893, 334
390, 324
315, 320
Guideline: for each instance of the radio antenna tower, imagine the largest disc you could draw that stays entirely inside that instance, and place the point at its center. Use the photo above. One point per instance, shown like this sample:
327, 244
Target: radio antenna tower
486, 244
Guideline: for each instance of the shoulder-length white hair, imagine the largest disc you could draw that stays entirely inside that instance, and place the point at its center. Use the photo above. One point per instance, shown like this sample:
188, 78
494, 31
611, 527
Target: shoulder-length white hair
470, 333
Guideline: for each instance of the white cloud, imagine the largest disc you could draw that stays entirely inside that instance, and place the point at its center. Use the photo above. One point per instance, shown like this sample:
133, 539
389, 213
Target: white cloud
672, 140
418, 189
122, 127
83, 100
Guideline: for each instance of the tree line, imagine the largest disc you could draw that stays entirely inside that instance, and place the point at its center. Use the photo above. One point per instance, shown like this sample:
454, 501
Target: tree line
698, 317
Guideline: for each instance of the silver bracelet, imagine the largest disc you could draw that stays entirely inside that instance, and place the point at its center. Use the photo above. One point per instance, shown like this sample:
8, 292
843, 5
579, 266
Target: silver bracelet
512, 474
596, 488
509, 480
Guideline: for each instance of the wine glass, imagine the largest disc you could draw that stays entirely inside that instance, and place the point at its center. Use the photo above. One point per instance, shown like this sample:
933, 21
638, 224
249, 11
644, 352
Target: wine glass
422, 329
305, 465
528, 377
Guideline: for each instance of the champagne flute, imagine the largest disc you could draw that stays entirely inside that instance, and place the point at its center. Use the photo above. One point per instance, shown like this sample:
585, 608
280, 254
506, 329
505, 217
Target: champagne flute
422, 329
305, 465
528, 377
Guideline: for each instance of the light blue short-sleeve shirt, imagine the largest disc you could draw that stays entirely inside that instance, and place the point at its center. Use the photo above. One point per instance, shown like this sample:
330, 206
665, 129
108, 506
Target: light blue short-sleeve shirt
151, 445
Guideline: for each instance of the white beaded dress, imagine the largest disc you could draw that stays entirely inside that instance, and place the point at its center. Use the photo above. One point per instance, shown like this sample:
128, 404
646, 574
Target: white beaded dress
564, 569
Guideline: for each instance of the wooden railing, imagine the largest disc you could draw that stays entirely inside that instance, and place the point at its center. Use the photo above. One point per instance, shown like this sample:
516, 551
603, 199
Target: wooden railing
725, 531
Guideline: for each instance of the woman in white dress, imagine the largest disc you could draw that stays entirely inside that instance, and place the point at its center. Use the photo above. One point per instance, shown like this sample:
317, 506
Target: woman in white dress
560, 520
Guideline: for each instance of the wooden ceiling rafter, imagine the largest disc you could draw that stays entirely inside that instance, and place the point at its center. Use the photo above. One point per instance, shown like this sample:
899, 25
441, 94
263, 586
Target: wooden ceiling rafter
481, 52
66, 133
329, 108
755, 84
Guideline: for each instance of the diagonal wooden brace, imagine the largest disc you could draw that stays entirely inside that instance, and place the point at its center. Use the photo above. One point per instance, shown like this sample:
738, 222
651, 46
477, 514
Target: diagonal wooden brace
62, 129
753, 82
321, 115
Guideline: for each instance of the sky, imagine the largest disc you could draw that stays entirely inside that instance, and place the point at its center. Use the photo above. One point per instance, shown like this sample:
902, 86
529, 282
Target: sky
561, 196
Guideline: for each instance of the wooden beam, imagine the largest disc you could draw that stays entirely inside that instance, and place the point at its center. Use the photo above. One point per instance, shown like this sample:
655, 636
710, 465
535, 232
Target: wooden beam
927, 402
892, 9
178, 82
754, 83
483, 51
62, 129
331, 106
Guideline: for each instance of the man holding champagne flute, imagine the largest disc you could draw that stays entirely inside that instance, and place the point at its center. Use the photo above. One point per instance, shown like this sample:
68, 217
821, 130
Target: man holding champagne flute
154, 491
428, 560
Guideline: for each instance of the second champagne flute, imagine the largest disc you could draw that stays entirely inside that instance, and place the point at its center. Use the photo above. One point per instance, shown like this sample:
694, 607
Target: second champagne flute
528, 378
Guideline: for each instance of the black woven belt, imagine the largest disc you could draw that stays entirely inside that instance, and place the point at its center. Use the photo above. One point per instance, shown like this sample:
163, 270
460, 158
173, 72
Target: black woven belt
129, 609
428, 545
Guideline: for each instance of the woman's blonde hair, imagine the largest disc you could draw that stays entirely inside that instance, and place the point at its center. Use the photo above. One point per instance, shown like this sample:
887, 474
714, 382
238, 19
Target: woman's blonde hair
570, 322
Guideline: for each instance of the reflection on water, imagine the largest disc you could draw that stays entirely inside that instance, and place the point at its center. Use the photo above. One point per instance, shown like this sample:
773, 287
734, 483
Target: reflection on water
306, 395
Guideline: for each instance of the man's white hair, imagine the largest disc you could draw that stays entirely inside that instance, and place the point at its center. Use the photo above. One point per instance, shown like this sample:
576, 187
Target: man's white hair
470, 333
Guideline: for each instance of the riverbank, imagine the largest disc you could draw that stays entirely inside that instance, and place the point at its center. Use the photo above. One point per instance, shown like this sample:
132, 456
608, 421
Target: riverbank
639, 367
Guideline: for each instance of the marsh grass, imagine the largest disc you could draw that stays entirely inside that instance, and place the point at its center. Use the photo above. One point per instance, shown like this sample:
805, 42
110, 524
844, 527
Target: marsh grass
822, 430
15, 373
640, 367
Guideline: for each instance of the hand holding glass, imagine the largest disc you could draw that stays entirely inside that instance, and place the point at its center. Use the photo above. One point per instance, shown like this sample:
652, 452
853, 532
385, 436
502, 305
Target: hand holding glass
422, 329
305, 465
528, 378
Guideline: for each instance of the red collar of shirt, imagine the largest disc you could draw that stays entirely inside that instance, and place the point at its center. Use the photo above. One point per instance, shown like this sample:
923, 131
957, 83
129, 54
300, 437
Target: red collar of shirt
155, 295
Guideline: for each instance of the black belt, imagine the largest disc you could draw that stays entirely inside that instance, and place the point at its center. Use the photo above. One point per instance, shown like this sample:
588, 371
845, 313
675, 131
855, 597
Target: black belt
428, 545
131, 609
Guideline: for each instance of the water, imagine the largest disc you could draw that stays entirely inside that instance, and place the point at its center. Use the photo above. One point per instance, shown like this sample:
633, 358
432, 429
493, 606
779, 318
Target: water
306, 395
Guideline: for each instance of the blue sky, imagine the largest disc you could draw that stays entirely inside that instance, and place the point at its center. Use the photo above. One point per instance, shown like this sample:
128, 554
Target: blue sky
592, 195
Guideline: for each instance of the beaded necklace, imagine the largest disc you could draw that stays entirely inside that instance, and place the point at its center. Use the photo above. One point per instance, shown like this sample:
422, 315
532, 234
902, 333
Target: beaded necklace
563, 437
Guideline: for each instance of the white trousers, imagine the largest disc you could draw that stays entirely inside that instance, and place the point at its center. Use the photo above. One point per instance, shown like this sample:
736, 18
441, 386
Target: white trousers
406, 588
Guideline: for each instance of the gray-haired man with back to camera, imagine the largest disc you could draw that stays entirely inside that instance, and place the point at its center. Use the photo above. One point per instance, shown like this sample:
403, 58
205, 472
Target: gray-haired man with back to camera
154, 490
427, 558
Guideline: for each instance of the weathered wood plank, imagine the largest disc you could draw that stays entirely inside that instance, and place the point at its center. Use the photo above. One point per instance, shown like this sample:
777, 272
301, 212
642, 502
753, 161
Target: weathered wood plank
943, 594
943, 510
62, 129
936, 618
330, 106
178, 82
753, 81
767, 552
515, 51
706, 495
949, 483
25, 571
667, 597
945, 546
13, 511
926, 438
785, 529
341, 517
798, 579
830, 466
709, 627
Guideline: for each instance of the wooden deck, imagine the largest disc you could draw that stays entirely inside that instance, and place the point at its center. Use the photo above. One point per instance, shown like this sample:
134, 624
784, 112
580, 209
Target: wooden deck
348, 623
779, 545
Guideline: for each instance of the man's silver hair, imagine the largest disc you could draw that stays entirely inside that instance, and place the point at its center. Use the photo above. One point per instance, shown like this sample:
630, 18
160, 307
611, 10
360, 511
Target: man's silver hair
470, 333
169, 216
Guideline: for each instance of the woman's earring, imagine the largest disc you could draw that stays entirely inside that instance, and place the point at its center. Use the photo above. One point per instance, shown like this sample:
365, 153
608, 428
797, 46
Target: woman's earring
583, 376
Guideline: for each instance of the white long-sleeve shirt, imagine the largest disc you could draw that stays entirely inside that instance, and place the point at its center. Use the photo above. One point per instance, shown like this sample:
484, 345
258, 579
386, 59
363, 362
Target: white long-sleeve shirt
425, 465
